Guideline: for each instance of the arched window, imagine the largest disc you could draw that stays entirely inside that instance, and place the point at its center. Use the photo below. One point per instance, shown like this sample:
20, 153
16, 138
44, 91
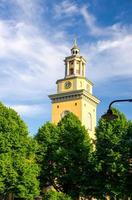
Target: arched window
63, 114
89, 121
71, 71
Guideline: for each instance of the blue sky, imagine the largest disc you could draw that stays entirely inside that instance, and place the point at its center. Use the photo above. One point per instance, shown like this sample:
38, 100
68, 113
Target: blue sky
36, 36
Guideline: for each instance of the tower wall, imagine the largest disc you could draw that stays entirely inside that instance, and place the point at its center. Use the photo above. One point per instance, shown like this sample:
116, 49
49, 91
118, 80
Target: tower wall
89, 116
58, 108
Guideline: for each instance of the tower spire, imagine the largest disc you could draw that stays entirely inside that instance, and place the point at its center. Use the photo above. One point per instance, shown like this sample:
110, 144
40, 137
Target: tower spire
75, 50
75, 42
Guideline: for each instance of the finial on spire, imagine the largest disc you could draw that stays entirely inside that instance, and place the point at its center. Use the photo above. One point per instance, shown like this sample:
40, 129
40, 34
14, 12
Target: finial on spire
75, 42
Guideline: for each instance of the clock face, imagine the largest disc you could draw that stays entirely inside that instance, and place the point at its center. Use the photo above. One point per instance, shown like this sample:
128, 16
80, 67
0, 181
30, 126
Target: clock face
67, 84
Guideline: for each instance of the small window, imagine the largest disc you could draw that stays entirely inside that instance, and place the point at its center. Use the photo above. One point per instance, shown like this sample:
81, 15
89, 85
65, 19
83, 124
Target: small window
71, 63
75, 104
57, 106
71, 71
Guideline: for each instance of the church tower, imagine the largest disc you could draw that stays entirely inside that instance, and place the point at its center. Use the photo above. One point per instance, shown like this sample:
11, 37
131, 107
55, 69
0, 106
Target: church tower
74, 93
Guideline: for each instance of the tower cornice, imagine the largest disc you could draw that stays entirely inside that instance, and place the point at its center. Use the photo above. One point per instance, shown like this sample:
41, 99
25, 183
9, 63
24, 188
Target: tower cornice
74, 57
78, 94
74, 77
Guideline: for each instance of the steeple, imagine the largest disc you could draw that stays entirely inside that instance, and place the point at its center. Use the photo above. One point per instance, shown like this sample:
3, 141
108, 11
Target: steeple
74, 93
75, 50
75, 63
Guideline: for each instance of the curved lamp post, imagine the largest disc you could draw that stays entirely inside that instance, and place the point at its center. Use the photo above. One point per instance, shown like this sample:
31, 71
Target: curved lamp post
110, 115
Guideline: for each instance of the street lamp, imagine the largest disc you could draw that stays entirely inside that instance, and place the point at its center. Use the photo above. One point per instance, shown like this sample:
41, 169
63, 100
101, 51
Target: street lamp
110, 115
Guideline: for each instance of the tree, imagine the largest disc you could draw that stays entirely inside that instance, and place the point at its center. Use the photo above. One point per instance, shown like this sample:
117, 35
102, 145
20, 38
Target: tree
65, 155
128, 155
111, 158
74, 156
47, 138
18, 170
53, 195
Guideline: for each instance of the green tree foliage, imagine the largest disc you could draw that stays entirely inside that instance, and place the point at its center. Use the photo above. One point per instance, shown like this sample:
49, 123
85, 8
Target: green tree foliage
47, 138
54, 195
74, 156
112, 161
18, 170
128, 154
65, 155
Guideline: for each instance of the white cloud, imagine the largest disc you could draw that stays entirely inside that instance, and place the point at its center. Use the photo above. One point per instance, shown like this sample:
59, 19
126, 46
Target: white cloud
29, 110
29, 10
90, 21
94, 29
110, 58
110, 55
66, 7
31, 60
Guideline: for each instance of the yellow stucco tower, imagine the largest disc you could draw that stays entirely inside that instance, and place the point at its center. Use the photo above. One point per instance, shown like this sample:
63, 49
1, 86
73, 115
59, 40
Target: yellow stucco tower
74, 93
